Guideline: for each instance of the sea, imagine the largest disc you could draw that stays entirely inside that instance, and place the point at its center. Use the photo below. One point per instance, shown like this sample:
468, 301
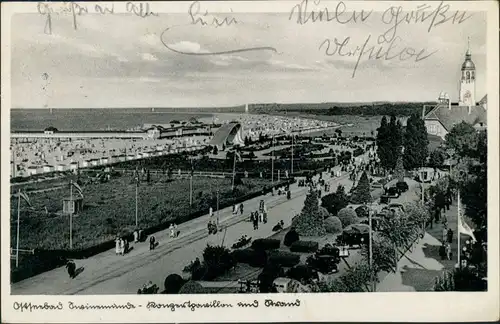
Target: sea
116, 119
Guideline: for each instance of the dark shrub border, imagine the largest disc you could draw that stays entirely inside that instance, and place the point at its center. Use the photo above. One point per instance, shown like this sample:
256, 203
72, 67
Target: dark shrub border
304, 246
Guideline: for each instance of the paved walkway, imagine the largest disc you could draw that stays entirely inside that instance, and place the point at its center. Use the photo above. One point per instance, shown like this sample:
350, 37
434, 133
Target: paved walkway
420, 266
107, 273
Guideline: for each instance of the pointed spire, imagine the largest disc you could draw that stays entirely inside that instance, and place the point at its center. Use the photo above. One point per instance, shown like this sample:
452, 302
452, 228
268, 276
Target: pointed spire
468, 47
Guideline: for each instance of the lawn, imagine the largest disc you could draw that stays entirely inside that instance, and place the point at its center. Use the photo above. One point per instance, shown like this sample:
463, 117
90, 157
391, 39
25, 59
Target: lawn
109, 208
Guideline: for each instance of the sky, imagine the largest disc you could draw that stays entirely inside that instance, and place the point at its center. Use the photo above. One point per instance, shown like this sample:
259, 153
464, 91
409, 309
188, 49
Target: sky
121, 60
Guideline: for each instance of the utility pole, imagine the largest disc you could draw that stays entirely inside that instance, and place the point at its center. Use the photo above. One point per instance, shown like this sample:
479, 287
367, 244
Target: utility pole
370, 246
18, 217
291, 167
272, 161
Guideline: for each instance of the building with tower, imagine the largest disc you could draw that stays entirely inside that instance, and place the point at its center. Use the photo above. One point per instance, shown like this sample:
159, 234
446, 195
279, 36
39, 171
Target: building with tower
441, 118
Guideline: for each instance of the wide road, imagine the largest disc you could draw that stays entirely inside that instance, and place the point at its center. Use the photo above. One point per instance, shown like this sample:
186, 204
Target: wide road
107, 273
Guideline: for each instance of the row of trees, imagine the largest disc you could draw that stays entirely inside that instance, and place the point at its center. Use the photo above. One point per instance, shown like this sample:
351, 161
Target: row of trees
394, 141
397, 232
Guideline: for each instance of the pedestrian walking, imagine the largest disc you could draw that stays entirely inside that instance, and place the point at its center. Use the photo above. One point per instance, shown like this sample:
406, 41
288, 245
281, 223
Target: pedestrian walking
241, 208
136, 236
117, 246
255, 220
71, 266
152, 242
449, 235
122, 246
126, 246
448, 251
171, 230
445, 233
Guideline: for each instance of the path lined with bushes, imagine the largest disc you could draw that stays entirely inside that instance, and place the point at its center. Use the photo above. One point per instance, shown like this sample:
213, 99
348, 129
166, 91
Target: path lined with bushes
107, 273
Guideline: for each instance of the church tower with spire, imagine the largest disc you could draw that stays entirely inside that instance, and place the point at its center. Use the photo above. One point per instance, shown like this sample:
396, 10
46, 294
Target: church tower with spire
468, 81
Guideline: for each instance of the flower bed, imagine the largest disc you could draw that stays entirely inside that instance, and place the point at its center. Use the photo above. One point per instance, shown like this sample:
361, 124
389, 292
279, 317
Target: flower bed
109, 208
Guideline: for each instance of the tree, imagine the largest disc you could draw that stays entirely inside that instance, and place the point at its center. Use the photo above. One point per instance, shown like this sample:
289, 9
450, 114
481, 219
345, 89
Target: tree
148, 177
355, 279
173, 283
347, 216
382, 252
215, 151
462, 139
310, 221
399, 172
192, 287
335, 201
394, 142
398, 231
471, 174
436, 158
361, 194
169, 173
338, 131
251, 155
463, 279
383, 150
415, 143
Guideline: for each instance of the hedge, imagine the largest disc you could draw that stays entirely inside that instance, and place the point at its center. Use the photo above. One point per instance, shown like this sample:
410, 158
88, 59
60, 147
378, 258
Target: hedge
284, 259
304, 246
266, 244
254, 258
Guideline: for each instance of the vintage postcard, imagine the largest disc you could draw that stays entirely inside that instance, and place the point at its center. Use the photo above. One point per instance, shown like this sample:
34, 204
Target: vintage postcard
264, 161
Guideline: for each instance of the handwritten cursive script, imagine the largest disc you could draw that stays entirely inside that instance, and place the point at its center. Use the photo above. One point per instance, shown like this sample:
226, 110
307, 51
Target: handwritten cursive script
304, 15
343, 48
49, 10
206, 20
396, 16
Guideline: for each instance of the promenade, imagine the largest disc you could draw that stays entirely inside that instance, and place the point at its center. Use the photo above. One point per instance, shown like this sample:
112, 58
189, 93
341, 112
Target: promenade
107, 273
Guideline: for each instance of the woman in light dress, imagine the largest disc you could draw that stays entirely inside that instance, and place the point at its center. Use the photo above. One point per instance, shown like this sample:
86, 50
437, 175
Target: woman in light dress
122, 246
117, 246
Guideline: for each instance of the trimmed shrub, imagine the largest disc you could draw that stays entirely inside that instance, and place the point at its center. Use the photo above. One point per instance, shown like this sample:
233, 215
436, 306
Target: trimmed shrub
290, 237
173, 284
302, 273
192, 287
266, 244
217, 260
333, 225
347, 216
310, 222
304, 246
284, 259
254, 258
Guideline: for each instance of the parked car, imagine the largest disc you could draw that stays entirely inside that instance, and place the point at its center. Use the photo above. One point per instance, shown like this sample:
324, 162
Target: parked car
385, 199
402, 186
393, 192
397, 206
325, 264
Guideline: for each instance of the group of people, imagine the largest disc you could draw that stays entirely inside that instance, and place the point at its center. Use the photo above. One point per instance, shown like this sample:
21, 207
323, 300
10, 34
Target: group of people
173, 230
121, 245
445, 248
238, 209
257, 217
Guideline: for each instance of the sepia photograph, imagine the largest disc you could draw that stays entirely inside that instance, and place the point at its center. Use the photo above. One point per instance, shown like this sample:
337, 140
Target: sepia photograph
285, 150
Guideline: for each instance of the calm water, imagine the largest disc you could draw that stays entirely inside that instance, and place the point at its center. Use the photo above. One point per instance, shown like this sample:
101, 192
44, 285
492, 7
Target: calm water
93, 119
